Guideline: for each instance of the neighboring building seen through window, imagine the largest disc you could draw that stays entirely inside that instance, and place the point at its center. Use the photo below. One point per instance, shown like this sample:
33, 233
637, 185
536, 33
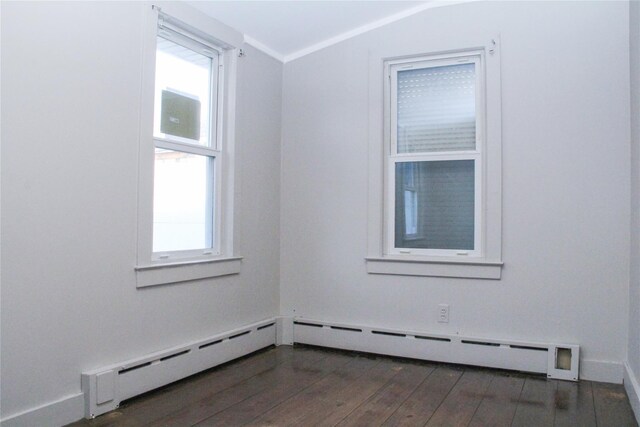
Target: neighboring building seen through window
438, 210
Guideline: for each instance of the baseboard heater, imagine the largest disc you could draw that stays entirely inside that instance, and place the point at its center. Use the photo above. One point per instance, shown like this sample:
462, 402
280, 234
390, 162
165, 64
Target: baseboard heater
106, 387
559, 361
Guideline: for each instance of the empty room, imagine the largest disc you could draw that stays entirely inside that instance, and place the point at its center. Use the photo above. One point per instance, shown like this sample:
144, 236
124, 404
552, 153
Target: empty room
298, 213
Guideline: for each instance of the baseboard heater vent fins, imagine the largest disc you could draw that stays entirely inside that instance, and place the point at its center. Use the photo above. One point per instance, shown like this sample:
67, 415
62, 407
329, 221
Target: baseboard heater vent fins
133, 368
555, 360
343, 328
526, 347
313, 325
174, 355
233, 337
422, 337
266, 326
390, 334
209, 344
106, 387
490, 344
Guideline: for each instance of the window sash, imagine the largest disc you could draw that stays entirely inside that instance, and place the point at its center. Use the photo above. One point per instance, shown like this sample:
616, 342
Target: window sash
390, 205
215, 84
436, 61
214, 195
392, 157
213, 149
210, 234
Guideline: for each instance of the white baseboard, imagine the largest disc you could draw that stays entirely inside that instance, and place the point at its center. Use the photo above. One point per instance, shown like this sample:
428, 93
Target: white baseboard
633, 390
106, 387
520, 356
601, 371
54, 414
448, 349
72, 408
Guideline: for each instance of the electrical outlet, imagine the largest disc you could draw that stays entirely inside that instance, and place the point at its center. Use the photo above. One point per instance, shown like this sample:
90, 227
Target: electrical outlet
443, 313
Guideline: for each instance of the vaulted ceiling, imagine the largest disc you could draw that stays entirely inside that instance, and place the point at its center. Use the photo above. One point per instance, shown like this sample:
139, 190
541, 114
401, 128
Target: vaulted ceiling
290, 29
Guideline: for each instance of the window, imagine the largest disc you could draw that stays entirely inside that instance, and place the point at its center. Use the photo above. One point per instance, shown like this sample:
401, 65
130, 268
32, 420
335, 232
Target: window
435, 157
438, 209
186, 147
186, 162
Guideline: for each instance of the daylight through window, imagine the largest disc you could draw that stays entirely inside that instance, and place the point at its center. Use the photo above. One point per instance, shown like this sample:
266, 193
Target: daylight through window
435, 158
186, 149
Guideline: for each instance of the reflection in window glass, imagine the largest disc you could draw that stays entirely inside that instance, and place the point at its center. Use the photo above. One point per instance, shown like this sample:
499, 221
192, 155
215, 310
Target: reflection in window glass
410, 212
443, 199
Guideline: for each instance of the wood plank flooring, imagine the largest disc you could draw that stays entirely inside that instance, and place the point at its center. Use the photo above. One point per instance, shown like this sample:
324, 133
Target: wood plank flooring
310, 386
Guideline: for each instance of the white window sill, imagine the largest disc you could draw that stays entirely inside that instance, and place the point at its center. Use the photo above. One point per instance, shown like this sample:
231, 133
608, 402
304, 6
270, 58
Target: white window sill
446, 267
161, 274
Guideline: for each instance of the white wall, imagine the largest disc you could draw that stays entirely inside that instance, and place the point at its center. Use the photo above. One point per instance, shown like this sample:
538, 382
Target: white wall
565, 86
633, 355
70, 106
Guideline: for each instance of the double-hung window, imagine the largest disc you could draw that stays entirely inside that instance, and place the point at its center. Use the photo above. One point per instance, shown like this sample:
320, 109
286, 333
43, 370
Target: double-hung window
436, 156
187, 147
435, 159
185, 210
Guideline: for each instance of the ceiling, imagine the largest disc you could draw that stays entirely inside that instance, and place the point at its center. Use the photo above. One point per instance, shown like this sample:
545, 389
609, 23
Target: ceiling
290, 29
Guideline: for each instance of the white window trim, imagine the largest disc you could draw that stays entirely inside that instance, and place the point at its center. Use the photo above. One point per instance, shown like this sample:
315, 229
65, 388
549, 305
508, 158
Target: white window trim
486, 261
223, 259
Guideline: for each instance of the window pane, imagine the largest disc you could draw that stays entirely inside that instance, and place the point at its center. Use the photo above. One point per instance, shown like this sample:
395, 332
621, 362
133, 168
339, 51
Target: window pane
182, 201
444, 205
437, 109
182, 94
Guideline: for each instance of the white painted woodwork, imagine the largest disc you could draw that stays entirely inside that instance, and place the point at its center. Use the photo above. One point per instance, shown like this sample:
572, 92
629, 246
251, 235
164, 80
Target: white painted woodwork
104, 388
467, 350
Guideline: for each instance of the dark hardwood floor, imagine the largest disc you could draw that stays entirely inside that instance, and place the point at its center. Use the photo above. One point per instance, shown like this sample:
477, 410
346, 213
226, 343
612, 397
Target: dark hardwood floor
305, 386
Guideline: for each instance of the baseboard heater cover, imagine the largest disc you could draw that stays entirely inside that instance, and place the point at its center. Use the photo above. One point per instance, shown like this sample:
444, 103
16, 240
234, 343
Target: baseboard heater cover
106, 387
558, 361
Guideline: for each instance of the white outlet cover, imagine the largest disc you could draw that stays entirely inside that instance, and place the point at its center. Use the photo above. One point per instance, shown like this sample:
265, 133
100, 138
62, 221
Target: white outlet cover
443, 313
